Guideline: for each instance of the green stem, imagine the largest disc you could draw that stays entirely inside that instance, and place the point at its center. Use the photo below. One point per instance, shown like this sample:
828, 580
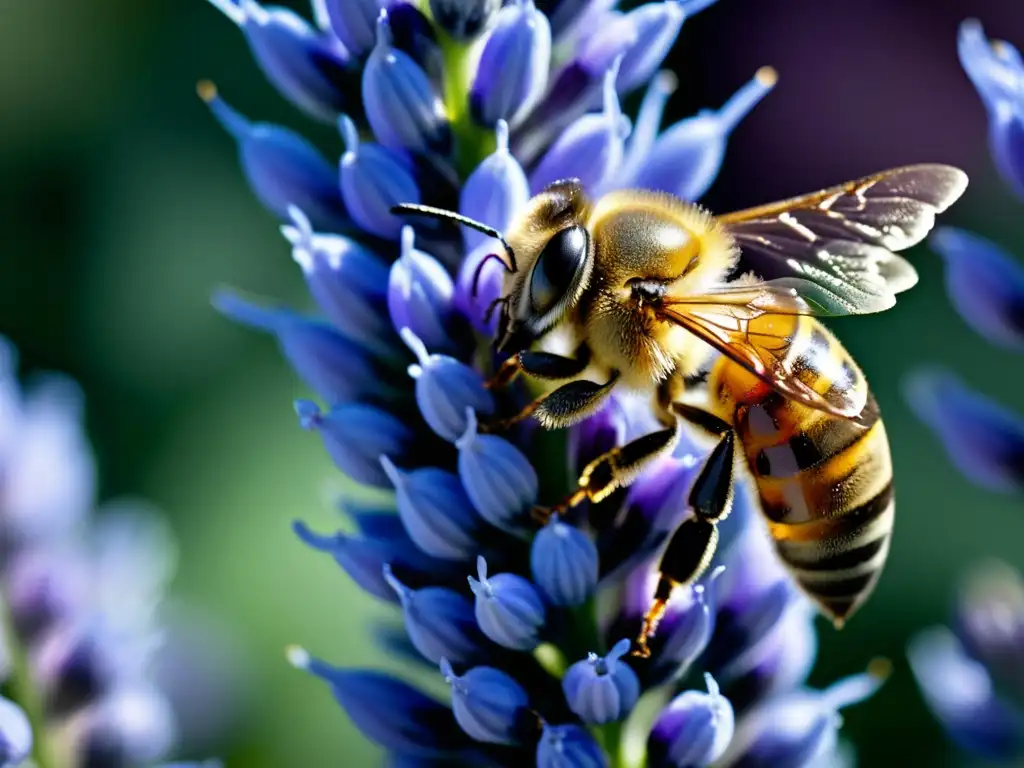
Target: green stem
24, 691
472, 142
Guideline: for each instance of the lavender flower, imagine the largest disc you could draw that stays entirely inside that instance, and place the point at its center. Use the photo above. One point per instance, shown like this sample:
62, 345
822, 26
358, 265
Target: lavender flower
972, 676
472, 112
82, 593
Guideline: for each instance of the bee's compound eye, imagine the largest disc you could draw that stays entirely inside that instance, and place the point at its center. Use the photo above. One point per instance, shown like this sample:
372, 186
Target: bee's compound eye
558, 268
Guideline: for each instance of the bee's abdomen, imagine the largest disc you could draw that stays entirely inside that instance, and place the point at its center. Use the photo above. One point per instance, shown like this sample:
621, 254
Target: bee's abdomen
825, 487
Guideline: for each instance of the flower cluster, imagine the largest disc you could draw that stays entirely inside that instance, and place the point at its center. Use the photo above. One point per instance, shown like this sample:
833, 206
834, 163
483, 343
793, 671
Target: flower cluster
473, 106
971, 674
80, 593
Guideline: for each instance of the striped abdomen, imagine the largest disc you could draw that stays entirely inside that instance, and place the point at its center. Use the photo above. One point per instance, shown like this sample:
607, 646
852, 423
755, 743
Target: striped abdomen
824, 482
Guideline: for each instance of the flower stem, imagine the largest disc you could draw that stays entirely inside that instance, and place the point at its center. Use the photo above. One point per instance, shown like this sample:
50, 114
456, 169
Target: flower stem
472, 142
24, 691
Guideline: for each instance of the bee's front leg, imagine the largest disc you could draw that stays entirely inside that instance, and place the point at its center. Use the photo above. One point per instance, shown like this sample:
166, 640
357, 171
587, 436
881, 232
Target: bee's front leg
541, 365
694, 542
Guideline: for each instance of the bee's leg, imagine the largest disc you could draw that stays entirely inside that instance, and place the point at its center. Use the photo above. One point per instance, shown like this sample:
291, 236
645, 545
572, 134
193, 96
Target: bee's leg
541, 365
562, 407
693, 544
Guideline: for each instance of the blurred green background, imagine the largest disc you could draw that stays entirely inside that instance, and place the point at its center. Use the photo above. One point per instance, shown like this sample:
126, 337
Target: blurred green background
122, 207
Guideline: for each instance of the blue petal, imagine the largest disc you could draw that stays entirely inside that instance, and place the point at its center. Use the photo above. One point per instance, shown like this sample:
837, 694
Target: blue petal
961, 694
694, 730
993, 68
348, 282
513, 69
356, 436
487, 703
463, 20
499, 479
564, 563
686, 159
985, 284
983, 439
334, 367
283, 169
445, 389
15, 734
420, 296
374, 179
352, 21
478, 285
495, 192
402, 107
303, 65
602, 689
658, 26
413, 33
435, 511
648, 123
1006, 142
591, 149
508, 608
440, 622
388, 711
569, 746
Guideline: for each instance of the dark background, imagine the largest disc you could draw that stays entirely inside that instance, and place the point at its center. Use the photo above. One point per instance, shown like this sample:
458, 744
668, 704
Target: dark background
122, 206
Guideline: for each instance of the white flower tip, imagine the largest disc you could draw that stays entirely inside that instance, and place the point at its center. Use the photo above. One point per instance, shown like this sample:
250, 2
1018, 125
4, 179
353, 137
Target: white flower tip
400, 589
349, 136
297, 656
395, 475
481, 568
665, 82
466, 438
447, 671
408, 241
713, 690
416, 346
501, 136
383, 29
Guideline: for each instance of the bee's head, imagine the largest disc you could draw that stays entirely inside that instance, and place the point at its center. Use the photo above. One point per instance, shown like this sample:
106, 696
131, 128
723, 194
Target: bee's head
547, 256
554, 256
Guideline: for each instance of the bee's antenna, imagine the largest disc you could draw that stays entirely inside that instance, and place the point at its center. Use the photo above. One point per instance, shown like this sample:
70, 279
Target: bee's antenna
412, 209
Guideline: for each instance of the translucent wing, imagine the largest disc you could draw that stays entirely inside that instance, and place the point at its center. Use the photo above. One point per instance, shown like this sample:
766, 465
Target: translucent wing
756, 326
835, 247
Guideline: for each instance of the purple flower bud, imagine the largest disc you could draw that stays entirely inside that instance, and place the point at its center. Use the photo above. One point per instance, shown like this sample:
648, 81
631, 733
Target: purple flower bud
445, 389
356, 436
487, 703
464, 20
373, 180
352, 21
993, 67
402, 107
40, 592
563, 561
982, 438
440, 622
73, 667
488, 288
658, 26
812, 724
283, 169
499, 479
15, 734
591, 149
435, 511
134, 725
602, 689
990, 620
648, 123
412, 33
694, 730
304, 65
329, 364
569, 746
513, 69
508, 608
985, 284
687, 157
961, 694
687, 626
495, 192
348, 282
388, 711
420, 295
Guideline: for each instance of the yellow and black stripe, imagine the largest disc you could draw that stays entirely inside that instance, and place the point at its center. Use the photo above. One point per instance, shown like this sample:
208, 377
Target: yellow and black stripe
825, 483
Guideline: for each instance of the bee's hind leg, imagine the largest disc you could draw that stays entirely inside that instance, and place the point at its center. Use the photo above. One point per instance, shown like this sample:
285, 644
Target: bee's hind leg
693, 543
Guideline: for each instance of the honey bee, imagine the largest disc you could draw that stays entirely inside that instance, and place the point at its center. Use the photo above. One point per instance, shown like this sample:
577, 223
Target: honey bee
654, 292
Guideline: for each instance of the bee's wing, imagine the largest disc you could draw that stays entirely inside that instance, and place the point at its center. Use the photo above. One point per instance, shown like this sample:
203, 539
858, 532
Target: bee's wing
836, 246
755, 326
